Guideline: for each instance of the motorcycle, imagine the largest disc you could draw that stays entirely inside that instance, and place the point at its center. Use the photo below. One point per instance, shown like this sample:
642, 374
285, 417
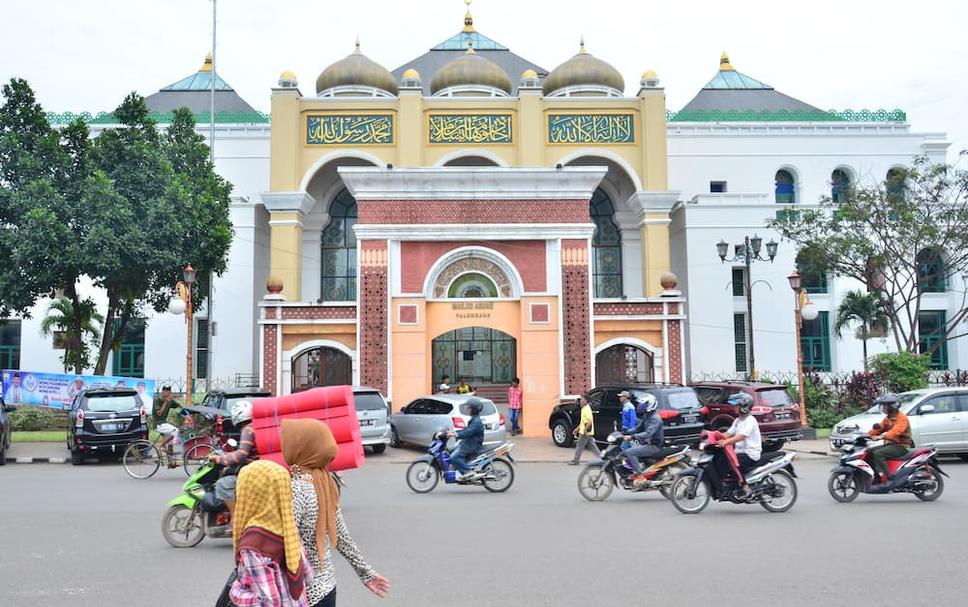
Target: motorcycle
491, 469
597, 480
917, 472
771, 483
197, 513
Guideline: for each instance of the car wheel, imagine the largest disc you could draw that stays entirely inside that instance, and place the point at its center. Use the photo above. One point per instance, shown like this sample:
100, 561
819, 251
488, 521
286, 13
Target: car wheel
378, 449
76, 458
394, 438
561, 434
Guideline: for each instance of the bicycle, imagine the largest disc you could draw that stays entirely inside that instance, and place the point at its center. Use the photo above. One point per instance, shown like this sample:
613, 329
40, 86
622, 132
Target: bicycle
142, 458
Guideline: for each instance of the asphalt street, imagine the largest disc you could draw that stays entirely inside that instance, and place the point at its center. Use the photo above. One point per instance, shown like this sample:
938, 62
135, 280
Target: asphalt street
90, 536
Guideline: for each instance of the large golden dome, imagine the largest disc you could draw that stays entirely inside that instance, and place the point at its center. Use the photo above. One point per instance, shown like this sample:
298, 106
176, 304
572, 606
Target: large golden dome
583, 69
356, 69
470, 69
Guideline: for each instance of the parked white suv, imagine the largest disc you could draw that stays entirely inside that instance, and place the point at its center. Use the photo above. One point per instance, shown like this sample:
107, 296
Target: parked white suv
373, 412
938, 416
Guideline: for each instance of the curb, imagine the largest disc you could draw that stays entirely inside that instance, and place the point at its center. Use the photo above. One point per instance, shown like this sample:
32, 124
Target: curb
36, 460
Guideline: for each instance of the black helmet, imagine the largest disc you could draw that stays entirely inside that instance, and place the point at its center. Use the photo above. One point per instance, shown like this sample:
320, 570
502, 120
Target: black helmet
646, 404
888, 402
474, 405
743, 401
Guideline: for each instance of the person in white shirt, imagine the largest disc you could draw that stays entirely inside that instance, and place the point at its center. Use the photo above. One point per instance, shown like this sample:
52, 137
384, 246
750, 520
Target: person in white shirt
444, 387
744, 434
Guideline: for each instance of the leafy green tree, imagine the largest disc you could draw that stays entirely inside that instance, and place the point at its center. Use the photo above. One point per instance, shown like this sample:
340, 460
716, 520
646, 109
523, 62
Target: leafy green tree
902, 371
866, 309
62, 317
875, 234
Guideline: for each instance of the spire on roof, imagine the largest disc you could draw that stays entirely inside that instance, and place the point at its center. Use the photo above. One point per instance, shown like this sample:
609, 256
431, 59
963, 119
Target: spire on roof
470, 47
724, 65
581, 46
207, 64
468, 19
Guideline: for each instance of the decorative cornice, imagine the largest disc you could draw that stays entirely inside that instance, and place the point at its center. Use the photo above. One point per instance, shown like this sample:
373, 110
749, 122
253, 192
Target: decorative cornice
301, 202
65, 118
787, 116
481, 231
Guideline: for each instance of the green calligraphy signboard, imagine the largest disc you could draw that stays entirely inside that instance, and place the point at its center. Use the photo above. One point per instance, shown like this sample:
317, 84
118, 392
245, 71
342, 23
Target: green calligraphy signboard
469, 128
591, 128
349, 129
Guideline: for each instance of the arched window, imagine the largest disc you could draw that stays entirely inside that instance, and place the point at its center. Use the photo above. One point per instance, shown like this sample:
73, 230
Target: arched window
931, 271
839, 186
339, 250
813, 277
785, 187
471, 285
894, 182
606, 247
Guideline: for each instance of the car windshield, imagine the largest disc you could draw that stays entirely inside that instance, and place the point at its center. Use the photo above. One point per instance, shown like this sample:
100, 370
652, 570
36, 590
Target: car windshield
368, 401
229, 401
776, 397
487, 409
683, 398
113, 402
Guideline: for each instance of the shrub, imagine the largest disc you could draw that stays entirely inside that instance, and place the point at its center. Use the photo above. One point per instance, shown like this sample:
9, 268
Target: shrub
28, 418
901, 371
860, 391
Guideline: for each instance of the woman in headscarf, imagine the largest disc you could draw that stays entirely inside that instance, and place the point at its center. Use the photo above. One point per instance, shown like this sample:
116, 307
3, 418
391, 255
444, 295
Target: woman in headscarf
308, 447
271, 567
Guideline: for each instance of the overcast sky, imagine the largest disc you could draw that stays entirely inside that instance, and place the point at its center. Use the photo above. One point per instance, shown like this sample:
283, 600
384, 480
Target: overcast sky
86, 55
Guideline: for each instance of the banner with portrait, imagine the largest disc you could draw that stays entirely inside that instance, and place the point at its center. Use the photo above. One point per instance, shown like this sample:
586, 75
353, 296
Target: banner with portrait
57, 390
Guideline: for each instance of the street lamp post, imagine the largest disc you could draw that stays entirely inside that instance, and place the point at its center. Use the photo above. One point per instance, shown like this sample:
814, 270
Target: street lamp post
748, 252
182, 304
803, 309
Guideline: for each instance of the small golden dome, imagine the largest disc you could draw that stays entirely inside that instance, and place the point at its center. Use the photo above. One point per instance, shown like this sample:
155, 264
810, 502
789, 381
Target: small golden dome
411, 74
356, 69
529, 74
207, 64
288, 75
468, 19
470, 69
648, 74
724, 65
581, 69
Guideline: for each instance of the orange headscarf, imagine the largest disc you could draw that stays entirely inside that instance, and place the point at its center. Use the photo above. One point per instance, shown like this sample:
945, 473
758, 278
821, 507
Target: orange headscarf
308, 446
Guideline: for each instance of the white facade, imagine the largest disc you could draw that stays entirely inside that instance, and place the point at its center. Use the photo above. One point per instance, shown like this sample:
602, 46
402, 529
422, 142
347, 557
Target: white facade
747, 157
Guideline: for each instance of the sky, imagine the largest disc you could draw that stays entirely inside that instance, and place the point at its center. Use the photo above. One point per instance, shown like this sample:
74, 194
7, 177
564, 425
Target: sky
860, 54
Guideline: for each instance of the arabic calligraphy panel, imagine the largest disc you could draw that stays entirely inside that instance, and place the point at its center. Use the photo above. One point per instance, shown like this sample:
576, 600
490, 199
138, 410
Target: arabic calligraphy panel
470, 128
349, 129
591, 128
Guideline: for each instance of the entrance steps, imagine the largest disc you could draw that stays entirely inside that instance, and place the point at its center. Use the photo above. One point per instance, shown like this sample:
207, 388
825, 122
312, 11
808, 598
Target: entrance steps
495, 392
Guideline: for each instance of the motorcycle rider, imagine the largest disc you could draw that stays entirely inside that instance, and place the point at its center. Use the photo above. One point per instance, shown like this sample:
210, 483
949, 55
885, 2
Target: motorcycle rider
233, 461
744, 435
648, 433
894, 430
471, 437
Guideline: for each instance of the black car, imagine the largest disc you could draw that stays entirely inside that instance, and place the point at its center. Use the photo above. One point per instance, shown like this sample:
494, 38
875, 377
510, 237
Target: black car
217, 405
105, 421
4, 430
679, 409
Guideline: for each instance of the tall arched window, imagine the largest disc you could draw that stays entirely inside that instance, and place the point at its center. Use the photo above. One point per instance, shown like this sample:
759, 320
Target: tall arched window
931, 271
339, 250
813, 277
785, 187
839, 186
894, 182
606, 247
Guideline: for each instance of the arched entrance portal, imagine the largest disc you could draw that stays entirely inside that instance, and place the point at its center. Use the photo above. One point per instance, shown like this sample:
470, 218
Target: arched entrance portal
321, 367
476, 354
623, 363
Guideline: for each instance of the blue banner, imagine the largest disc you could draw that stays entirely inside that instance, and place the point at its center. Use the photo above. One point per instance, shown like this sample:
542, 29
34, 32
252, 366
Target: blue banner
57, 390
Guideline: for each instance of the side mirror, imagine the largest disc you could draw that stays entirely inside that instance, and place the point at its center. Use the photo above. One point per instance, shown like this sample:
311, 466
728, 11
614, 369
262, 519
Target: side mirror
405, 409
926, 409
232, 443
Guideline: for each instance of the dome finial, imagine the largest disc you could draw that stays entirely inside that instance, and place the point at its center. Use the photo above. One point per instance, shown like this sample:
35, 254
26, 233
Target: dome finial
468, 19
357, 47
581, 45
724, 65
470, 47
207, 64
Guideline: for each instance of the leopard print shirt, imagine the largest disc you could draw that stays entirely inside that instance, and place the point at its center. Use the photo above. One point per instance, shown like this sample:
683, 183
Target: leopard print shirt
306, 511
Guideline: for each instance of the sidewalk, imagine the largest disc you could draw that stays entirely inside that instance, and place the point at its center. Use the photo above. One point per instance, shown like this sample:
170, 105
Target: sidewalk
527, 450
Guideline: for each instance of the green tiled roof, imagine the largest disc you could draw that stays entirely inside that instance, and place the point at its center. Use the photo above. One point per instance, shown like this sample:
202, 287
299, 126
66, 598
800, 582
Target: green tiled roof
797, 115
200, 81
458, 42
731, 79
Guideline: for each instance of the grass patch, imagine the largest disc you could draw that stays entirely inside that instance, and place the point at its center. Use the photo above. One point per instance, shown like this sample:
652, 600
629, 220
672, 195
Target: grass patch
39, 436
823, 432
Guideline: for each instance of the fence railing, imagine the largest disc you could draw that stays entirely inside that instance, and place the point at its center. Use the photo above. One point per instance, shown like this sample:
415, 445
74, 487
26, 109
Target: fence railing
935, 379
201, 385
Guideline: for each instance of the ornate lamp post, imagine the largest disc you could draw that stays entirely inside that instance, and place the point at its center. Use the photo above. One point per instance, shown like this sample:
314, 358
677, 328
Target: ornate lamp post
748, 252
803, 310
182, 304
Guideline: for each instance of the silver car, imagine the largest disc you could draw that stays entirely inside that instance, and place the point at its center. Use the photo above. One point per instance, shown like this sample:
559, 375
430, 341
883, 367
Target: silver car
373, 412
938, 417
418, 421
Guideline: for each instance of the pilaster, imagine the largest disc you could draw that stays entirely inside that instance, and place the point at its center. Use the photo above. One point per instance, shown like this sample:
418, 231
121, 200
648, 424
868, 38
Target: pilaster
654, 223
287, 211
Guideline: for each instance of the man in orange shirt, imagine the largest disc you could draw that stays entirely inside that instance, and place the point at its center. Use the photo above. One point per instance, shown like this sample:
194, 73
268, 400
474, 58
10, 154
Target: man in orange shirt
894, 430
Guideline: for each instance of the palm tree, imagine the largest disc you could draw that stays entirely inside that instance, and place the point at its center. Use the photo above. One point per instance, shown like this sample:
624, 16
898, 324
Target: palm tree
868, 310
61, 318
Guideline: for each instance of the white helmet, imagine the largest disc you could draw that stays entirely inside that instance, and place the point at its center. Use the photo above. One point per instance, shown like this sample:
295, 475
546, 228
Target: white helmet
241, 412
